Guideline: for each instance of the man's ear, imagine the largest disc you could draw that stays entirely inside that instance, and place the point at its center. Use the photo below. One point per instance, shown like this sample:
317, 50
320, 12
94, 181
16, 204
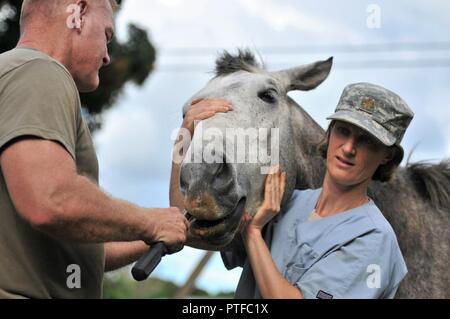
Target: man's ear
82, 10
77, 15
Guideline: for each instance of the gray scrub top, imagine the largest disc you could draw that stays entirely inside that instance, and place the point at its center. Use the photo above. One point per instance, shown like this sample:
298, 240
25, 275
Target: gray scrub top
353, 254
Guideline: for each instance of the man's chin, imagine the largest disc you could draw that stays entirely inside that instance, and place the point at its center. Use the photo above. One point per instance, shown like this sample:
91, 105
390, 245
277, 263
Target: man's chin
88, 87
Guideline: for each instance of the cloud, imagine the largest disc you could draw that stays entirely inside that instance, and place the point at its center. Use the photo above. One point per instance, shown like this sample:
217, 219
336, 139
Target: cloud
129, 141
281, 16
134, 144
206, 22
233, 23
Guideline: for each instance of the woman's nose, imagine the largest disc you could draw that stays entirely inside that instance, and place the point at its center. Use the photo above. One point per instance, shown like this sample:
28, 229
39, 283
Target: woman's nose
349, 147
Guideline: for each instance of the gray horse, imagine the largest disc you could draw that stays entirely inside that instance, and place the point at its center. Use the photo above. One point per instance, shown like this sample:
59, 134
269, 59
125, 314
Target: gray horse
222, 176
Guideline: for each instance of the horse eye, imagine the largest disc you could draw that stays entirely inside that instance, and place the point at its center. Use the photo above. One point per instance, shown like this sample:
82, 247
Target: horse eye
268, 96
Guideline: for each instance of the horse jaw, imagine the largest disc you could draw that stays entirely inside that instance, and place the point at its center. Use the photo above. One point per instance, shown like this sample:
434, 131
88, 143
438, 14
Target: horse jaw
219, 235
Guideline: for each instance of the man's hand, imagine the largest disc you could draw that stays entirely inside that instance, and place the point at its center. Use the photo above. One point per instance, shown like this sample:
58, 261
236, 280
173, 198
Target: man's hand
273, 195
168, 226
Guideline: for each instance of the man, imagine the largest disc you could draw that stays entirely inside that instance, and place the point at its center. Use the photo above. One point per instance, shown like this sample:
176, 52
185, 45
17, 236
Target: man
54, 218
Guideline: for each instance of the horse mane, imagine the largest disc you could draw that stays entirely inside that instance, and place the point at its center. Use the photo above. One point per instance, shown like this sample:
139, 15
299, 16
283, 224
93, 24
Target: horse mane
228, 63
432, 181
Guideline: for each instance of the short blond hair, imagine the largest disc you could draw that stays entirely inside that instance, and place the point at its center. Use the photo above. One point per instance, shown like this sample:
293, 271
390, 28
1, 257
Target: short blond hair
114, 5
48, 5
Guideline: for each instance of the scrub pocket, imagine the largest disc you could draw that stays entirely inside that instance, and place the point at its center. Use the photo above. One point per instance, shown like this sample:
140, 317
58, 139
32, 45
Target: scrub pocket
303, 258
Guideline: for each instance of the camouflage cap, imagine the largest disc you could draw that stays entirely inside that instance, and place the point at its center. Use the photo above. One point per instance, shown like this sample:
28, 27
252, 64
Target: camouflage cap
378, 111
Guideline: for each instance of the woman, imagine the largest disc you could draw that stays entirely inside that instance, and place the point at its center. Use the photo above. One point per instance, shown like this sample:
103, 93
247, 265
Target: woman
332, 242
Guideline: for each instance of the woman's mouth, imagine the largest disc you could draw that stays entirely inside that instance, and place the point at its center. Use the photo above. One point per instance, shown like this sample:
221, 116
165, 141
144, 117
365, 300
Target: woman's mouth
344, 163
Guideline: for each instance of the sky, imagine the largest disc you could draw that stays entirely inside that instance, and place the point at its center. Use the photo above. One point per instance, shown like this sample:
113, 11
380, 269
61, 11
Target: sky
134, 144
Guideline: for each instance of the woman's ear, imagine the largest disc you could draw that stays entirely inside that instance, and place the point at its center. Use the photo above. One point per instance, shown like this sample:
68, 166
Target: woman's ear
389, 155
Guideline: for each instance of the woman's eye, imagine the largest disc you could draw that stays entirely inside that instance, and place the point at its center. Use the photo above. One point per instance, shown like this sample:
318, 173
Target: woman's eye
268, 96
343, 130
368, 141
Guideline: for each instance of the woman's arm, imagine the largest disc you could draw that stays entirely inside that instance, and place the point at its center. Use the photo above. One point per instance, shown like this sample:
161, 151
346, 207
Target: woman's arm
120, 254
175, 196
198, 111
270, 282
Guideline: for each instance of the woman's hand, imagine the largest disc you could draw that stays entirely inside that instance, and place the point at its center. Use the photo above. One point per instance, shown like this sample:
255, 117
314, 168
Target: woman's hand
199, 109
273, 194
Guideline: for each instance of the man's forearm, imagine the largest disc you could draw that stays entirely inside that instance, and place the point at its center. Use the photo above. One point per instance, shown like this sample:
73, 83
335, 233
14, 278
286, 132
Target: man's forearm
121, 254
83, 213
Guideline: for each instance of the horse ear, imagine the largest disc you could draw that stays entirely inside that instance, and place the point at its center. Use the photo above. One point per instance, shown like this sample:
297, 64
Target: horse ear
306, 77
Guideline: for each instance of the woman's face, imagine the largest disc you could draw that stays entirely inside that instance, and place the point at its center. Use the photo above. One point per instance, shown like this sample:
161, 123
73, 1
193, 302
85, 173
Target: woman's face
353, 155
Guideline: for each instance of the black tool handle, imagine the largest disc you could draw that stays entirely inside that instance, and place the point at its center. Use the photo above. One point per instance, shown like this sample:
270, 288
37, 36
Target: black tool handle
147, 263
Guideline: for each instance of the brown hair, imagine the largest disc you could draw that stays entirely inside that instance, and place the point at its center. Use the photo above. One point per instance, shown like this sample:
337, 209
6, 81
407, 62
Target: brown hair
383, 173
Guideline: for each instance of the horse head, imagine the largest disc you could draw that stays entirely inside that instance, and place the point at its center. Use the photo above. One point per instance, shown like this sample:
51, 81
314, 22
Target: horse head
223, 173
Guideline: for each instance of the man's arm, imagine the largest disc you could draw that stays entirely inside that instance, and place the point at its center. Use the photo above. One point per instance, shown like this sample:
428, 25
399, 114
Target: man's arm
118, 255
48, 192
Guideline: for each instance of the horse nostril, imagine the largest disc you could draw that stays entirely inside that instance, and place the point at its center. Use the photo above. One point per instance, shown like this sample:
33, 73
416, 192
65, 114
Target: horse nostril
221, 169
195, 177
184, 181
223, 178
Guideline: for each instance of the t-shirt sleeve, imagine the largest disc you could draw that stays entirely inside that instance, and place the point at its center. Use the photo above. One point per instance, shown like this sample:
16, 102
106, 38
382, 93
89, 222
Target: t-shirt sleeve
362, 269
39, 100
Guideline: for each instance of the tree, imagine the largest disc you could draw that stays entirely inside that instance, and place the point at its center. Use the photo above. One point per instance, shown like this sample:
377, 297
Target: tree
131, 61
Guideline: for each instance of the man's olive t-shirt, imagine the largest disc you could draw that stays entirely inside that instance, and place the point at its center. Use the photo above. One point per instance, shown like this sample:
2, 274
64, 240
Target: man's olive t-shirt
39, 98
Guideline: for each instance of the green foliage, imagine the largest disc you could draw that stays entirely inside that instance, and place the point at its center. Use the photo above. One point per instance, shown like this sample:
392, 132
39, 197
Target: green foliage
120, 285
130, 61
9, 23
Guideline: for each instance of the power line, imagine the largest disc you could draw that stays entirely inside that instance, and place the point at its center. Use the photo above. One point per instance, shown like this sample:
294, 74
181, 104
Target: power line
325, 48
364, 64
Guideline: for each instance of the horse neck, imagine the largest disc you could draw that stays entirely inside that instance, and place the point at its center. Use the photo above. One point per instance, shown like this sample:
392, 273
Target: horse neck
306, 135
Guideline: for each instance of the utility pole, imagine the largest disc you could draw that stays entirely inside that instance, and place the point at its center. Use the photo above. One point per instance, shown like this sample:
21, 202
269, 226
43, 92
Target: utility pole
187, 288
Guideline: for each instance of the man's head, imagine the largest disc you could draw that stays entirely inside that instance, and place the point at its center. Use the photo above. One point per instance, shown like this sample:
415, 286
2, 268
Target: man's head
75, 32
371, 120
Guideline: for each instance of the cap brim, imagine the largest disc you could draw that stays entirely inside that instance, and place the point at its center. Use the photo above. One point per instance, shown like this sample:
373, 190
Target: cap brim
365, 122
